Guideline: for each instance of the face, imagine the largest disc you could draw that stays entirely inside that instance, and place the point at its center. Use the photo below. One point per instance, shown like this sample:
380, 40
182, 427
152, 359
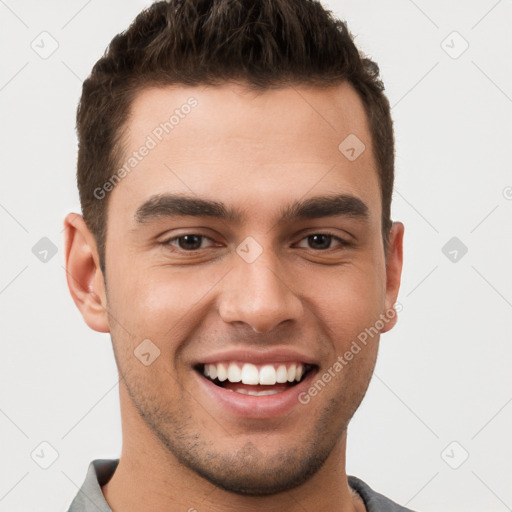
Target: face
242, 242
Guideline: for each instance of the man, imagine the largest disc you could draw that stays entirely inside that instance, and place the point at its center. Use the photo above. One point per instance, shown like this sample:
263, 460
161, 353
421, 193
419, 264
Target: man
235, 172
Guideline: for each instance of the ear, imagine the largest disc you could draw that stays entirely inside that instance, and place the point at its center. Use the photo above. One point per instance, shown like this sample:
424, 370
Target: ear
83, 273
394, 260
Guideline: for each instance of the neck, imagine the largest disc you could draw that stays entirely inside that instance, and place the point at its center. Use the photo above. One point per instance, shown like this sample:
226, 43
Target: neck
149, 477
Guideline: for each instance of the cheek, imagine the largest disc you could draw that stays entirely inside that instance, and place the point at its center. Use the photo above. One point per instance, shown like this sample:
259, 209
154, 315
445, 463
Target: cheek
160, 304
347, 301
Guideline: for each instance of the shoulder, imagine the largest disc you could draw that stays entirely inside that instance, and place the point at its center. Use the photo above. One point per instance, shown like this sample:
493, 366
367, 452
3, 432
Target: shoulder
374, 501
90, 497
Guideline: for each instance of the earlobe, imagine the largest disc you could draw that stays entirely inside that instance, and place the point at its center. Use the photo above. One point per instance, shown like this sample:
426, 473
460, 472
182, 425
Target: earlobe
394, 261
83, 273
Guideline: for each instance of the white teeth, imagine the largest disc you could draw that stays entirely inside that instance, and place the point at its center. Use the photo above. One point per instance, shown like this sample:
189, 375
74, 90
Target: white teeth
268, 375
222, 373
234, 373
257, 393
212, 370
281, 374
250, 374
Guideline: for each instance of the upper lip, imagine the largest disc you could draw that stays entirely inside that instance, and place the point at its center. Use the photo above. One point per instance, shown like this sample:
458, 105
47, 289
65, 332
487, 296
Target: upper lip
275, 355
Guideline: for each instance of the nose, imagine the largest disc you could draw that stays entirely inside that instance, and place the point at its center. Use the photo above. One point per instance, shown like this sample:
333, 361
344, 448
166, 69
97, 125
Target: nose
259, 294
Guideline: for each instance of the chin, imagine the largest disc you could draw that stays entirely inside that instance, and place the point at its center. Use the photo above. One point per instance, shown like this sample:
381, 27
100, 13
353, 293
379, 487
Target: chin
250, 473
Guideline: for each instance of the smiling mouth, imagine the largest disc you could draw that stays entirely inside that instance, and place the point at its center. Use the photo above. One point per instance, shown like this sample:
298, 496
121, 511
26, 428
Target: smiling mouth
256, 380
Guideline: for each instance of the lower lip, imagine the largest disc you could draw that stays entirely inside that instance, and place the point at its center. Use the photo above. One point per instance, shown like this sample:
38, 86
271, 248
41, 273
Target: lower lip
256, 407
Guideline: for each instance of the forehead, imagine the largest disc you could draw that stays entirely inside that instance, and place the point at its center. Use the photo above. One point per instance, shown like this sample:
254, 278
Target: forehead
298, 114
227, 142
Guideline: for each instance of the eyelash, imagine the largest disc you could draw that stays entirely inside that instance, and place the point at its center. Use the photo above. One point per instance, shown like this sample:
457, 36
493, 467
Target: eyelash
342, 242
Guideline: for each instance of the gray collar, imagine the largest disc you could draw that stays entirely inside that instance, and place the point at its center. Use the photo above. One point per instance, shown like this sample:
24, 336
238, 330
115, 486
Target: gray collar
90, 497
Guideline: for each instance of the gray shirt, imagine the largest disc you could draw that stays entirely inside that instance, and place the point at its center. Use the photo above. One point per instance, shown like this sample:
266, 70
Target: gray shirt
90, 498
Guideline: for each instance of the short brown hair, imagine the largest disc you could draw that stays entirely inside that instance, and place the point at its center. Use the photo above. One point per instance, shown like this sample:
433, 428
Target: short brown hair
261, 43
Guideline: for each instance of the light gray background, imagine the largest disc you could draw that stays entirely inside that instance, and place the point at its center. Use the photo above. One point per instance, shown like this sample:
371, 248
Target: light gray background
444, 371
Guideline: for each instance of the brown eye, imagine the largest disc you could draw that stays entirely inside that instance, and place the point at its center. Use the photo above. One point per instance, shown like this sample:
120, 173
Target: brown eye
189, 242
322, 241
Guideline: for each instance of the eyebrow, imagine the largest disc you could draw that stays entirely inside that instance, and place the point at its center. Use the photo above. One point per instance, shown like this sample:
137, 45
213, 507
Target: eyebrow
175, 205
